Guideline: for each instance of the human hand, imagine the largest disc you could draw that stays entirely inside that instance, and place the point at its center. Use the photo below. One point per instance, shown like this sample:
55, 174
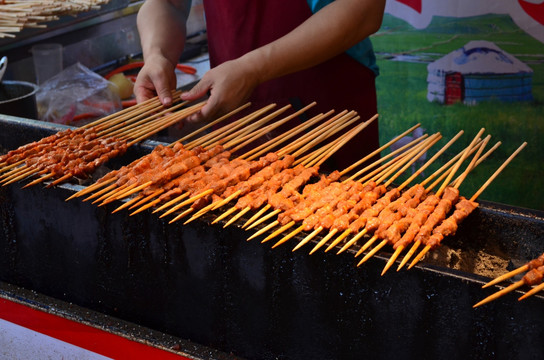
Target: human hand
157, 77
228, 85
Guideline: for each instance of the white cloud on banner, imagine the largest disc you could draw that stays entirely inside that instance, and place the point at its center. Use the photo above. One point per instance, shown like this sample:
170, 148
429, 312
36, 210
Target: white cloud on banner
527, 14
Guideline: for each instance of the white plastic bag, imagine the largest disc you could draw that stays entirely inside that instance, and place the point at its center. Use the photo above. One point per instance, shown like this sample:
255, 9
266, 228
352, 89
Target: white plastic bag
76, 96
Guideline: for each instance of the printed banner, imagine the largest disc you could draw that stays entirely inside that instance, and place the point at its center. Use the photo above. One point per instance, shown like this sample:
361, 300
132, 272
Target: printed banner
464, 65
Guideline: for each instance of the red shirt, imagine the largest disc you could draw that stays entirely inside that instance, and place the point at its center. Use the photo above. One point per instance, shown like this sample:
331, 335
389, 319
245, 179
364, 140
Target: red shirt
236, 27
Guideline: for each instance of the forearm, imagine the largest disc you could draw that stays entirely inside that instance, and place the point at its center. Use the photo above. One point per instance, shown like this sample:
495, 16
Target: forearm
161, 25
327, 33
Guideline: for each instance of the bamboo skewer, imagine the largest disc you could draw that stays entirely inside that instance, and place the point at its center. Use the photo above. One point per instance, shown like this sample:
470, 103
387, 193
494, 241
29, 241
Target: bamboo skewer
268, 227
19, 176
4, 167
113, 193
263, 219
285, 238
144, 200
421, 148
400, 160
182, 215
320, 158
212, 123
256, 216
221, 203
59, 180
170, 203
128, 204
223, 215
16, 15
113, 119
343, 141
39, 180
499, 170
101, 192
120, 126
126, 192
377, 151
456, 186
507, 276
341, 124
374, 153
475, 196
237, 216
449, 163
161, 125
401, 152
289, 236
533, 291
273, 143
228, 129
134, 134
155, 128
256, 130
450, 175
201, 212
14, 172
323, 241
308, 238
500, 293
533, 276
238, 132
257, 219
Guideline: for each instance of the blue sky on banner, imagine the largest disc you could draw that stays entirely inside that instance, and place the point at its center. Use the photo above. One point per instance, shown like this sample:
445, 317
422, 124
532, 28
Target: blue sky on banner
527, 14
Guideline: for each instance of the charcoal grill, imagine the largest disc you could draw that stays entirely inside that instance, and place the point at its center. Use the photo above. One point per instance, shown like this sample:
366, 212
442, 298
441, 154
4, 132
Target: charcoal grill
207, 284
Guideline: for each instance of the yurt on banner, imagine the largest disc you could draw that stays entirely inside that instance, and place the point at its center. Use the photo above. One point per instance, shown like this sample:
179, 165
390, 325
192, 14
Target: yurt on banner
479, 71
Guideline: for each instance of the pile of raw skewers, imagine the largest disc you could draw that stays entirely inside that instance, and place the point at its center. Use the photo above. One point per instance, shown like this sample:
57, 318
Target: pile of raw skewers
16, 15
207, 170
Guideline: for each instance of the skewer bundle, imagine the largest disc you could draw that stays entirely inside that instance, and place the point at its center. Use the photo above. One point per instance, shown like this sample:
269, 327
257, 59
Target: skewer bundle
322, 193
78, 153
413, 215
15, 15
429, 223
215, 180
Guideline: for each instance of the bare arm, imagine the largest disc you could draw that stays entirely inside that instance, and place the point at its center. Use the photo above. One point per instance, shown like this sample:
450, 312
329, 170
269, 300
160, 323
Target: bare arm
161, 25
327, 33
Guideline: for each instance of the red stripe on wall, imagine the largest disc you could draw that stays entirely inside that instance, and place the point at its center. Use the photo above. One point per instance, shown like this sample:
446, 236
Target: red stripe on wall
78, 334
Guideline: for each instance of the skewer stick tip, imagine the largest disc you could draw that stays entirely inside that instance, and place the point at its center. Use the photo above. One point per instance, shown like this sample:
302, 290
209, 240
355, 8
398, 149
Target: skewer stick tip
409, 254
533, 291
499, 293
506, 276
392, 260
419, 256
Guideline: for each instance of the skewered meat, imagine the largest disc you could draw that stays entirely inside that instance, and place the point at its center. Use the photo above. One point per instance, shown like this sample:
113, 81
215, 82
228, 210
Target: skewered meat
449, 226
449, 196
419, 218
369, 198
534, 276
258, 197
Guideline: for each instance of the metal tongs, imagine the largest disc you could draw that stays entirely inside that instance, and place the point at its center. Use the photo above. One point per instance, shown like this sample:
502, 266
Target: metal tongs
3, 66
